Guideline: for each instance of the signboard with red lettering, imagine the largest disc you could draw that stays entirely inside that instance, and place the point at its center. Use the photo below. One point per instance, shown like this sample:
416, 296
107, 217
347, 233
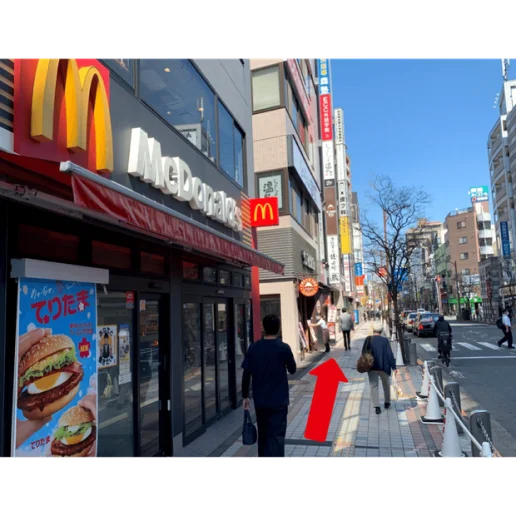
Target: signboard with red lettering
55, 402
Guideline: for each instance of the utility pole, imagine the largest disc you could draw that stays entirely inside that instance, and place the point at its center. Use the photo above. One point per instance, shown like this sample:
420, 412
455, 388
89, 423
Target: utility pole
458, 293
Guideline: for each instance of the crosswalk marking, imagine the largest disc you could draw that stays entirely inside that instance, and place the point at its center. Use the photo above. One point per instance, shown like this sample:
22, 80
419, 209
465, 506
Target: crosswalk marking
468, 346
489, 345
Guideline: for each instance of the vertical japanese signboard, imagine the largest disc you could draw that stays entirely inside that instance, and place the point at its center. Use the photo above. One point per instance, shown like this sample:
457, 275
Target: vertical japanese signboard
506, 243
55, 395
328, 161
333, 259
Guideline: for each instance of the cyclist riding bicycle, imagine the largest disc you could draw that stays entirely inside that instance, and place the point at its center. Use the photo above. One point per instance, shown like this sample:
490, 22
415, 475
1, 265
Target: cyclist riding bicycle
444, 333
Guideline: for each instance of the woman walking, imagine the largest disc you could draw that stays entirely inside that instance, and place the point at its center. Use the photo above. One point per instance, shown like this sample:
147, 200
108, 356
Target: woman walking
384, 363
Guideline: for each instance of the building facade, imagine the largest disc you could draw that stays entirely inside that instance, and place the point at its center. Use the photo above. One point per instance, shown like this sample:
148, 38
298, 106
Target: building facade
138, 172
469, 239
499, 157
287, 165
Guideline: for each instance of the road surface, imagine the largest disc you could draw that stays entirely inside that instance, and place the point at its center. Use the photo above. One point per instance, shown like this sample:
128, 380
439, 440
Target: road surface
486, 375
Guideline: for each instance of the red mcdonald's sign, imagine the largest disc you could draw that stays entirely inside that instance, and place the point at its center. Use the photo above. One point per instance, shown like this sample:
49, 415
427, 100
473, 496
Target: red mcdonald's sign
264, 212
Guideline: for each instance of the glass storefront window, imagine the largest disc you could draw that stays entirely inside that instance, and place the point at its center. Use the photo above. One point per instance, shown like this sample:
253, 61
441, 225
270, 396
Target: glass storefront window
191, 271
270, 305
240, 341
209, 274
177, 92
192, 368
115, 382
152, 263
247, 282
238, 280
108, 255
224, 277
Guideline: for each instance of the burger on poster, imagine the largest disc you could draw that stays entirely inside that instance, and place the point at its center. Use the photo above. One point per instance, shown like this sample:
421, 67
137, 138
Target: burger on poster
75, 435
49, 376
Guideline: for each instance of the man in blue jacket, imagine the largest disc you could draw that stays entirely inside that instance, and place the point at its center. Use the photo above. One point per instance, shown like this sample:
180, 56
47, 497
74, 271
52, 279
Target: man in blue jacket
267, 362
384, 363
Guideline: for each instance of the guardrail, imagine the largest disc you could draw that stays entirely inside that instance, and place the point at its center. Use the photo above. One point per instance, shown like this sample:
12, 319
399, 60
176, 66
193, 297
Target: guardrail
479, 429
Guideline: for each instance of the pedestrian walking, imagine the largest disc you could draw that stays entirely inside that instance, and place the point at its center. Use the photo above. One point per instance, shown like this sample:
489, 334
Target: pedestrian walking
325, 332
346, 325
505, 326
266, 364
384, 363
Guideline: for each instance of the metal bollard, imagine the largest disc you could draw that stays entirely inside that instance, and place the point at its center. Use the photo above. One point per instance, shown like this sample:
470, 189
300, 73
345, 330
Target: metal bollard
412, 351
437, 373
480, 427
452, 391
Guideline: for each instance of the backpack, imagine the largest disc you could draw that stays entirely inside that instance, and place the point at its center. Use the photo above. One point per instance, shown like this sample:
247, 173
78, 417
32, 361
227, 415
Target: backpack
499, 323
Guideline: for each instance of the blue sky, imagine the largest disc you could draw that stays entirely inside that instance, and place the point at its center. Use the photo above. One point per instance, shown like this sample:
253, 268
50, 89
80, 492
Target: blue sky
421, 122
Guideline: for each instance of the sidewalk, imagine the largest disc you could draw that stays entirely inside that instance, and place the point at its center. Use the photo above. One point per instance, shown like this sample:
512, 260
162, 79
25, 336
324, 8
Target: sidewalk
222, 434
355, 429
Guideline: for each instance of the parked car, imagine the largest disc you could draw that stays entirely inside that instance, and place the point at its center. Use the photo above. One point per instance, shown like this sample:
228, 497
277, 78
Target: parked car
409, 321
425, 324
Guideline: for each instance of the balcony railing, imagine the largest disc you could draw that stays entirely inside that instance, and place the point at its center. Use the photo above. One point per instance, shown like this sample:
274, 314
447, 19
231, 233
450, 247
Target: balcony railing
487, 250
485, 233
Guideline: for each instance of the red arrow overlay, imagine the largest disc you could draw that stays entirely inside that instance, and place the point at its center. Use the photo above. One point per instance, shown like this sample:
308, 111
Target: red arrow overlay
329, 375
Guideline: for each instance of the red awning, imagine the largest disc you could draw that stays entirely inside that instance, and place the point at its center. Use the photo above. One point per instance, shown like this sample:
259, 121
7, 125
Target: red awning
103, 196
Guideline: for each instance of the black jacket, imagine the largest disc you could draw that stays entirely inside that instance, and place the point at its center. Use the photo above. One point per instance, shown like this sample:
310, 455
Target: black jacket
267, 362
442, 327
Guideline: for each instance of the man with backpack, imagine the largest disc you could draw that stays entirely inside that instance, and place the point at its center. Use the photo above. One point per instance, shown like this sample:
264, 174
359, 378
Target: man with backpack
504, 323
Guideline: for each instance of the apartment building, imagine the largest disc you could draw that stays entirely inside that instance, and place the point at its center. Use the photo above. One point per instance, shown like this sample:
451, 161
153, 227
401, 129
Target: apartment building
286, 132
469, 240
499, 155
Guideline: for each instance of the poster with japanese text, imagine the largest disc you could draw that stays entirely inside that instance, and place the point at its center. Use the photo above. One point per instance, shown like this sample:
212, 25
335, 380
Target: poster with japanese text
55, 395
107, 341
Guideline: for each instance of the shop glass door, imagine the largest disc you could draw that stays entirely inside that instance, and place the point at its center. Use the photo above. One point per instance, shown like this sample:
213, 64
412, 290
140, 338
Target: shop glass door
240, 344
152, 375
217, 393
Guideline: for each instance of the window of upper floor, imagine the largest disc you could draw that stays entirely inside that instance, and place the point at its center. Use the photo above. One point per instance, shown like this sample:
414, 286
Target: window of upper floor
180, 95
266, 88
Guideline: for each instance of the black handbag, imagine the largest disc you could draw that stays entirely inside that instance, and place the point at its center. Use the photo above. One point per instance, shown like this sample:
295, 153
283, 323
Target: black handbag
249, 433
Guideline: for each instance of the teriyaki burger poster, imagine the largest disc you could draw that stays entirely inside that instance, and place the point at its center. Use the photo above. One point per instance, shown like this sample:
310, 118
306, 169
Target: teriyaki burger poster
55, 395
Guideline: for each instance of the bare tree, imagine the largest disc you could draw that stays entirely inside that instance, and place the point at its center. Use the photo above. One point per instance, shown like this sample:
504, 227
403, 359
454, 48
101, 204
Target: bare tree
388, 249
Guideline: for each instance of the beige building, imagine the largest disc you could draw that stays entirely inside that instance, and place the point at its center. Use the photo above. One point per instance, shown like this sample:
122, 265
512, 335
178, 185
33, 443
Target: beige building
286, 165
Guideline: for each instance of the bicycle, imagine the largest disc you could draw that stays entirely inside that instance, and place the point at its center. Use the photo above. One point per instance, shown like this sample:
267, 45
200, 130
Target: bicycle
446, 340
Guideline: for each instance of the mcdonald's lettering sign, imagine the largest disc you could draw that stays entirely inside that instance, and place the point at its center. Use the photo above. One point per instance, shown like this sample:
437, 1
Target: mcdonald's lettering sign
62, 112
264, 212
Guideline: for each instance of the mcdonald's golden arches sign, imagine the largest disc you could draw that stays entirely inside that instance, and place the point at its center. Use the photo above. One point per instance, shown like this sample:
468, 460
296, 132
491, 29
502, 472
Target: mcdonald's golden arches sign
264, 212
62, 112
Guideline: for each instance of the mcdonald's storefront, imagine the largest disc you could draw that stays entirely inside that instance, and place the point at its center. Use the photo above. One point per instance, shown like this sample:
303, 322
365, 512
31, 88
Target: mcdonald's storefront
131, 176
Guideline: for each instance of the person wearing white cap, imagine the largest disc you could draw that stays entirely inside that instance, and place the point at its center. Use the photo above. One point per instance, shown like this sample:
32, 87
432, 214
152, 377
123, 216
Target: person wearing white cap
384, 363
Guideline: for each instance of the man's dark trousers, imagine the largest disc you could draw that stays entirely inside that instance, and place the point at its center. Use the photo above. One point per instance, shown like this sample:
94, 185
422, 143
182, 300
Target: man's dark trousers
507, 336
272, 428
347, 338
